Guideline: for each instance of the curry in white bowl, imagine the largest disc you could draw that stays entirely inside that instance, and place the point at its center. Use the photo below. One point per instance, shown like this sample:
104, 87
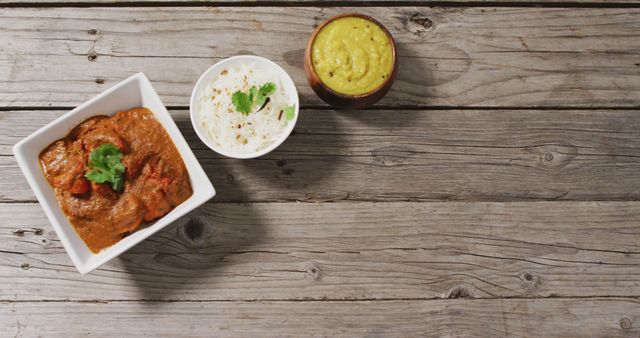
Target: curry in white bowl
112, 174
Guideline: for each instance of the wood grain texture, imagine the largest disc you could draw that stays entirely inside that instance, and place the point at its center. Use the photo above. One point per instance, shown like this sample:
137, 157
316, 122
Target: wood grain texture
275, 3
385, 155
448, 56
481, 318
380, 261
343, 251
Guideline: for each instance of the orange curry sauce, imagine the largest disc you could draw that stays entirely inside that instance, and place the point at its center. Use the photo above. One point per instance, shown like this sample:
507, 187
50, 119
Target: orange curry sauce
156, 179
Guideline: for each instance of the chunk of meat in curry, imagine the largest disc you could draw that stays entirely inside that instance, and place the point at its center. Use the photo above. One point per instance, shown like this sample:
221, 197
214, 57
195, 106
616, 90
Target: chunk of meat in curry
156, 179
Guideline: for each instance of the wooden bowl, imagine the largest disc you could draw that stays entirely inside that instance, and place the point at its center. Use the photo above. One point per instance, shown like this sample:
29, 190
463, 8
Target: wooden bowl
345, 100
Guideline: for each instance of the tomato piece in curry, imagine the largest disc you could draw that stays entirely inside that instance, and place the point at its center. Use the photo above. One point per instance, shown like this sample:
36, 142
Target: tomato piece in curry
155, 179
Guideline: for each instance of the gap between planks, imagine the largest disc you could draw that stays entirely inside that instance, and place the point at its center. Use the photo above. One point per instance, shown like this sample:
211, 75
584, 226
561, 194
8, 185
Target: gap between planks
315, 300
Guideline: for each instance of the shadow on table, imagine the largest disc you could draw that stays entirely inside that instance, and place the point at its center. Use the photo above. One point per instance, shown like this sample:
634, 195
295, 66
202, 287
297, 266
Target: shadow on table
300, 167
192, 254
203, 251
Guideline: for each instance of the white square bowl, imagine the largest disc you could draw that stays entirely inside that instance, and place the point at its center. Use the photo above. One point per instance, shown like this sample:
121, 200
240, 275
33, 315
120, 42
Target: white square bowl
133, 92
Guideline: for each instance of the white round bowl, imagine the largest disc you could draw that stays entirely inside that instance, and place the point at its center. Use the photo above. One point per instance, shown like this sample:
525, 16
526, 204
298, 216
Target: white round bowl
214, 71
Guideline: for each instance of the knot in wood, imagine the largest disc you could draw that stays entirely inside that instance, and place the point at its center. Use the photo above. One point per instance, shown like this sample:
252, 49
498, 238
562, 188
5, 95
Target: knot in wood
35, 231
418, 23
459, 292
314, 271
92, 56
46, 243
527, 276
554, 156
92, 31
625, 323
100, 81
530, 282
391, 155
196, 231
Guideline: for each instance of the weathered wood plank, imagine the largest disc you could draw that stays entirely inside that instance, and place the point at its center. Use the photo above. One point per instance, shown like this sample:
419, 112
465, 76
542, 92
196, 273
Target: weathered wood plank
273, 3
411, 155
441, 318
448, 56
337, 251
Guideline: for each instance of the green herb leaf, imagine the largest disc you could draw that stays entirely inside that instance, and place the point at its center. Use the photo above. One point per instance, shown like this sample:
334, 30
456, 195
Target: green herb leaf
265, 91
253, 93
245, 102
242, 101
106, 166
290, 112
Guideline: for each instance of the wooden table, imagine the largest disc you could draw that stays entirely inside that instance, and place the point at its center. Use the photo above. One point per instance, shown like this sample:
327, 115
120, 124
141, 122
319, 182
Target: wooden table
495, 191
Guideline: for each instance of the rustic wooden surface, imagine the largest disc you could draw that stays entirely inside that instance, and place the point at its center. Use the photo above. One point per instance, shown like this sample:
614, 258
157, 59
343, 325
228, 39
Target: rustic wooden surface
495, 192
345, 251
412, 318
497, 155
449, 56
315, 3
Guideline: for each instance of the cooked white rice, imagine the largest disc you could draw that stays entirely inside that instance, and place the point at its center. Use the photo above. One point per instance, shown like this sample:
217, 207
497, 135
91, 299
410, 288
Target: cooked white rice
236, 132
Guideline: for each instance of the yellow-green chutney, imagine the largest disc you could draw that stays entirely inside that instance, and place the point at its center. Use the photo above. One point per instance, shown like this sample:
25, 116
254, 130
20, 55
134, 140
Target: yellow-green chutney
352, 55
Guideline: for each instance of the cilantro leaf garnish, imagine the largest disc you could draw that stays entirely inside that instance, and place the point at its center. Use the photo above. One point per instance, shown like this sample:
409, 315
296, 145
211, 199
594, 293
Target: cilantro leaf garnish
245, 102
265, 91
253, 93
106, 166
242, 101
290, 112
